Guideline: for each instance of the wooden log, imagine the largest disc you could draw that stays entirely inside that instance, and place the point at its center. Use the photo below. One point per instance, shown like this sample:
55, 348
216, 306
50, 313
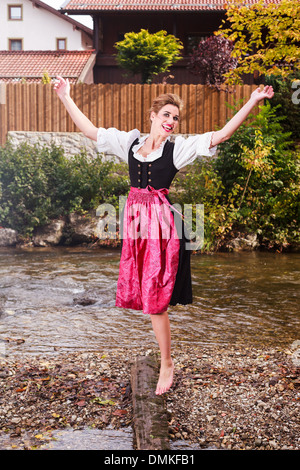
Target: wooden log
149, 413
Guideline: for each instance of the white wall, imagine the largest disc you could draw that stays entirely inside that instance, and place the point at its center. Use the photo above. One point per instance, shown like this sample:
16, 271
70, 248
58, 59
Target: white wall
39, 28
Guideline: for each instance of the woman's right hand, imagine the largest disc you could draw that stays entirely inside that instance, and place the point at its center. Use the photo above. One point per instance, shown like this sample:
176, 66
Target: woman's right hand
62, 87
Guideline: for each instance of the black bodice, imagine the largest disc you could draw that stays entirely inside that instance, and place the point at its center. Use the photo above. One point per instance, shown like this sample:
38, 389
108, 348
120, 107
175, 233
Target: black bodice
158, 174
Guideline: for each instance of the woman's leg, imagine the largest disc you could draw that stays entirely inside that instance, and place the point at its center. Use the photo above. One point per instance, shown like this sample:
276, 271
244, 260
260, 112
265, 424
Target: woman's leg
161, 328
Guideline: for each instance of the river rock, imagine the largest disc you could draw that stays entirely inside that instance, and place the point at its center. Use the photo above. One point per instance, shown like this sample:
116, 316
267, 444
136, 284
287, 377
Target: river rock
83, 228
8, 237
248, 243
49, 235
84, 301
72, 230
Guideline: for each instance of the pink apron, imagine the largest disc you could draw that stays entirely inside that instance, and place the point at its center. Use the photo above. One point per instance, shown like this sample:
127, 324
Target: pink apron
150, 252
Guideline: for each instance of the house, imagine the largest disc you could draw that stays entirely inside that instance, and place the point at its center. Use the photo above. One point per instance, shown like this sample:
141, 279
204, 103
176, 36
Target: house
35, 38
31, 25
188, 20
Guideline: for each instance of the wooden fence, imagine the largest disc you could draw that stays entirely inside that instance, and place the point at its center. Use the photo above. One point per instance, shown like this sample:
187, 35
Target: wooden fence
36, 107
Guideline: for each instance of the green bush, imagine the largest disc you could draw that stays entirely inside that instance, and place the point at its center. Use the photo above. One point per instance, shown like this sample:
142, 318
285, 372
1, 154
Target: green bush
38, 184
200, 184
283, 102
252, 185
148, 54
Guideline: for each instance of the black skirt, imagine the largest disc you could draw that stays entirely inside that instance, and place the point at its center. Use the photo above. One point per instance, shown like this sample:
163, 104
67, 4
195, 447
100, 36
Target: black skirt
182, 292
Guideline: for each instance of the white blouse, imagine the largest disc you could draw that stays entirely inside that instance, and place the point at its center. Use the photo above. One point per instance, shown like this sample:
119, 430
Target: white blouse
186, 150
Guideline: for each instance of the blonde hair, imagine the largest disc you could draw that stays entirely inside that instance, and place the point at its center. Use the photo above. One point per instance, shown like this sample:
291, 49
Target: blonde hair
163, 100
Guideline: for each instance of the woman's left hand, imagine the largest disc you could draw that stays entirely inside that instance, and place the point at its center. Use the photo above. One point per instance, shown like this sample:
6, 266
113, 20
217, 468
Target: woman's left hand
261, 94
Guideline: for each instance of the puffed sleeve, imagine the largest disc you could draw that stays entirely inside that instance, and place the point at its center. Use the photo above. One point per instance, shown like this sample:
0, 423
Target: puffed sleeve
186, 150
115, 142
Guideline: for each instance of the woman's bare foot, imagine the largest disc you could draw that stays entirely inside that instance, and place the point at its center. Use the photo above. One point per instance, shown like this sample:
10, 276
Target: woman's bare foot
165, 379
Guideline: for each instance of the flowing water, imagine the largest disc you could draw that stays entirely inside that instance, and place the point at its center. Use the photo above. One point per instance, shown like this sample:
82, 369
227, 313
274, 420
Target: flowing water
62, 299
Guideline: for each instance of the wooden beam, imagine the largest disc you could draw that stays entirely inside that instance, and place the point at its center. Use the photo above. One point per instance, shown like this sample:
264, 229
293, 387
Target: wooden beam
149, 413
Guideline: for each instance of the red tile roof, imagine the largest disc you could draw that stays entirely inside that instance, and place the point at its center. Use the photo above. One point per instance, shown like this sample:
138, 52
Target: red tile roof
32, 65
150, 5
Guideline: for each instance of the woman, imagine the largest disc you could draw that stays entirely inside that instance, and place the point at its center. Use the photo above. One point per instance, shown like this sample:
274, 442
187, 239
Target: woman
154, 265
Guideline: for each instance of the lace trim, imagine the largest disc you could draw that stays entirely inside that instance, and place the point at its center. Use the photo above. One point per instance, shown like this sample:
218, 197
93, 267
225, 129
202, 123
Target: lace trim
157, 152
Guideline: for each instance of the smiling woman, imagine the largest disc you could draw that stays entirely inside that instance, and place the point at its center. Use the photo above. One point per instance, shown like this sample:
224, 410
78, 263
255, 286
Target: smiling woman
155, 261
164, 119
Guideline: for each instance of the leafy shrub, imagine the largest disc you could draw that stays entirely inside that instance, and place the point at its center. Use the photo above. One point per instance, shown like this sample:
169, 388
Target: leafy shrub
211, 60
251, 186
282, 101
200, 184
38, 184
148, 54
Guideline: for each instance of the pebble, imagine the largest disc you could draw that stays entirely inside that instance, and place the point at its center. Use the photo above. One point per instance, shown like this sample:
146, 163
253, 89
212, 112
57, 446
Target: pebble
222, 397
247, 398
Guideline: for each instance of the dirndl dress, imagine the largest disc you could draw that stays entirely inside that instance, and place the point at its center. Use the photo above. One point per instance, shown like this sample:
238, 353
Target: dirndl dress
154, 267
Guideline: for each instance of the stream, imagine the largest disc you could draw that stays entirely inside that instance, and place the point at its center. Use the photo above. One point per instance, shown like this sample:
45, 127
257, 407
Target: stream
55, 300
62, 300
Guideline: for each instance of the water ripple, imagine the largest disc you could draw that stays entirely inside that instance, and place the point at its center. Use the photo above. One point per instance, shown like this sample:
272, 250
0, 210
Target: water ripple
247, 297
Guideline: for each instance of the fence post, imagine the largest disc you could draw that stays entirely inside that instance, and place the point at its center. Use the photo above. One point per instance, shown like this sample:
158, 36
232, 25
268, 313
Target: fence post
3, 121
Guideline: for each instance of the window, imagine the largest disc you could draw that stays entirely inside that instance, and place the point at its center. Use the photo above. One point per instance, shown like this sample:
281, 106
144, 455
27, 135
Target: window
15, 12
193, 39
15, 44
61, 44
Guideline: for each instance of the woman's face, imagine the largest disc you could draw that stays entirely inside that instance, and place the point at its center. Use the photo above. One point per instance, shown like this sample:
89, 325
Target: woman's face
165, 121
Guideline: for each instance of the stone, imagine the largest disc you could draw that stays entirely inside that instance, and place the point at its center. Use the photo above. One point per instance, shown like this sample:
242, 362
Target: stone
83, 228
84, 301
273, 444
15, 420
49, 235
72, 142
8, 237
248, 243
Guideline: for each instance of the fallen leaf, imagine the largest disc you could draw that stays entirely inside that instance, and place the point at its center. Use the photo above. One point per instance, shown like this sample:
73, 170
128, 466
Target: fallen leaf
80, 403
119, 412
102, 402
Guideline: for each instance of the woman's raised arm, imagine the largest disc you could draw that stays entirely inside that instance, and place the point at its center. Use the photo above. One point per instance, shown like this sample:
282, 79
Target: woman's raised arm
62, 88
226, 132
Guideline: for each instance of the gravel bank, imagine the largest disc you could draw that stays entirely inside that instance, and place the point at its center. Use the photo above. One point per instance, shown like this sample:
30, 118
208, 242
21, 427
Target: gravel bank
223, 397
237, 398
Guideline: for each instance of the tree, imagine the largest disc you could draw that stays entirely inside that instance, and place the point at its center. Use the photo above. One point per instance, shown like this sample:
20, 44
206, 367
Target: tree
211, 60
148, 54
46, 78
266, 38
